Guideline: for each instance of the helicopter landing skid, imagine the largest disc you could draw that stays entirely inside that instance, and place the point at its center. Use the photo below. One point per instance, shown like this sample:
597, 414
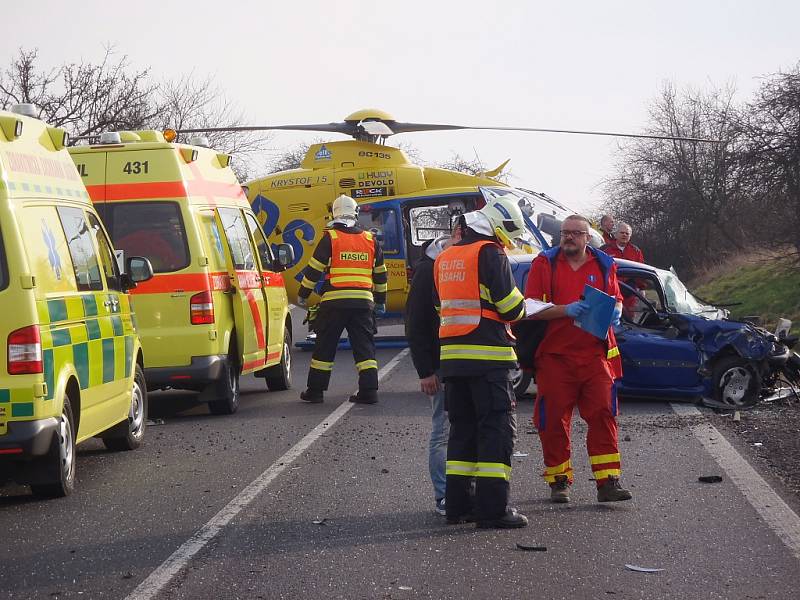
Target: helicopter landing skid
381, 341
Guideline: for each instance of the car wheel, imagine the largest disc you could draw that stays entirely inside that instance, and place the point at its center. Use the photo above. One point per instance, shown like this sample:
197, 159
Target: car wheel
227, 402
737, 382
279, 377
129, 434
521, 380
61, 458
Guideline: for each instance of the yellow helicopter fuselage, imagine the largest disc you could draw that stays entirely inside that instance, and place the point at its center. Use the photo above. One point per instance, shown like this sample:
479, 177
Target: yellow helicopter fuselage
403, 203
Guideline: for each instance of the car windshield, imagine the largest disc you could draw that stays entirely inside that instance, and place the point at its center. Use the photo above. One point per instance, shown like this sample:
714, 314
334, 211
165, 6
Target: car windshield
680, 300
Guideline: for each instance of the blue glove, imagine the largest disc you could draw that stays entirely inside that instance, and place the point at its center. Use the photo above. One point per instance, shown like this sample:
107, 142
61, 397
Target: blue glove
302, 302
576, 309
616, 315
380, 310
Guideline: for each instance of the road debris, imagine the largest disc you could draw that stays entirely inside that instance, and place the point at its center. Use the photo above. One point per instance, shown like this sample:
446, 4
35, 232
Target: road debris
642, 569
154, 422
737, 416
519, 454
319, 521
531, 547
710, 478
405, 588
758, 444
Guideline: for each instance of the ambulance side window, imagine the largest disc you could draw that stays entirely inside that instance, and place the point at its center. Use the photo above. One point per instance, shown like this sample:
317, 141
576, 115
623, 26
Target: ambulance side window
3, 263
213, 241
238, 240
107, 259
264, 251
81, 249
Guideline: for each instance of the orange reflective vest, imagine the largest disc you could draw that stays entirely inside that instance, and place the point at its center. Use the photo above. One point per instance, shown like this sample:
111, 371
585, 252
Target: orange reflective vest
457, 283
352, 259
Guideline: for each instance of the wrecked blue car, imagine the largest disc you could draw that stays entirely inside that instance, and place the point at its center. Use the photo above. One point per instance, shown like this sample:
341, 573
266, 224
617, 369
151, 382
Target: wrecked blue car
674, 346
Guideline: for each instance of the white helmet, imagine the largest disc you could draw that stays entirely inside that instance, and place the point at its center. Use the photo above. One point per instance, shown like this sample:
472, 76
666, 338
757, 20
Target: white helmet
345, 209
505, 218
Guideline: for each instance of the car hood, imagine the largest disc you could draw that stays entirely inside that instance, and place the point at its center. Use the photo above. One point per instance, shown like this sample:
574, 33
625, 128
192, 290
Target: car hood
715, 335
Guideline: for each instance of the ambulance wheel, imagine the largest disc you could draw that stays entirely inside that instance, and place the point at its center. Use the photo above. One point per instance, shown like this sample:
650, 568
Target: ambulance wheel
61, 458
228, 395
128, 435
279, 377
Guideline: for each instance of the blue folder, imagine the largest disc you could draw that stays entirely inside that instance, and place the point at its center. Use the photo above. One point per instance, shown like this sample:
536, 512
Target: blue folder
597, 319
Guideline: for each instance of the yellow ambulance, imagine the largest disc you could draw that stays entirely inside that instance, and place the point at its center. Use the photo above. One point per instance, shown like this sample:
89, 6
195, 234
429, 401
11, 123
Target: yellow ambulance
70, 359
217, 306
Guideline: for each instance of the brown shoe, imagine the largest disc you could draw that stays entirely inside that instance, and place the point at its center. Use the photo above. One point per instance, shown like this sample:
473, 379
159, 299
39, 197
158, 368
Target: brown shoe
612, 491
559, 489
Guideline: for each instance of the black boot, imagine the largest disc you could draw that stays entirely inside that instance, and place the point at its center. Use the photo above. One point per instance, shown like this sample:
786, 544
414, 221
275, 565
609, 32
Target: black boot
511, 520
311, 396
365, 397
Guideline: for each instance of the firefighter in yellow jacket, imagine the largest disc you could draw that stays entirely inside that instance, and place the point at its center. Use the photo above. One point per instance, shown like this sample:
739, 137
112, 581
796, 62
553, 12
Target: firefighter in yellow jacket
477, 298
353, 292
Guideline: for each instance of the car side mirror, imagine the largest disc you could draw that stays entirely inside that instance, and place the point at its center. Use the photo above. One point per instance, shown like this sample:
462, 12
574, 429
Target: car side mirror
139, 269
285, 256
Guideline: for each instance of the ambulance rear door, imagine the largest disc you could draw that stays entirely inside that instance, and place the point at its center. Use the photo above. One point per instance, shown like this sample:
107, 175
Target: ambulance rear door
249, 304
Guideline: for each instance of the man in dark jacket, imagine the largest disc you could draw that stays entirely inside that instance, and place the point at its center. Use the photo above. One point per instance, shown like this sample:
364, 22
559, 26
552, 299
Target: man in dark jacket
422, 333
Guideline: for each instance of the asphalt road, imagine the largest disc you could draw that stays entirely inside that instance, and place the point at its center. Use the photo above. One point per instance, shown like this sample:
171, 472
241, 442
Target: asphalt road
364, 480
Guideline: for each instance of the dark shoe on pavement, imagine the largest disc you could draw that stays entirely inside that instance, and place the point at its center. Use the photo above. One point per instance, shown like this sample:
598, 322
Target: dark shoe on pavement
458, 519
440, 507
511, 520
311, 396
612, 491
559, 490
365, 397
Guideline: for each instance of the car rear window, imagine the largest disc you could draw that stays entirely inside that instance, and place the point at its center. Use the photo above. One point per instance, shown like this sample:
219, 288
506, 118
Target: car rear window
3, 264
154, 230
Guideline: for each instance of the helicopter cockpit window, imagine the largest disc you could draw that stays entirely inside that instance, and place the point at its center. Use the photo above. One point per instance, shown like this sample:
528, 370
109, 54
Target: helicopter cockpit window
382, 223
429, 222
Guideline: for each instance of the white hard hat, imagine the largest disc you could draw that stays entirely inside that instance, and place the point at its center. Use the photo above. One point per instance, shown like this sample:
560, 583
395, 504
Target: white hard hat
345, 208
505, 218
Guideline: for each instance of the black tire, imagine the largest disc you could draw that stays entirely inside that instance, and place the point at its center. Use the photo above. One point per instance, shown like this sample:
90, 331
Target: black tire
521, 380
279, 377
737, 382
227, 401
60, 461
129, 434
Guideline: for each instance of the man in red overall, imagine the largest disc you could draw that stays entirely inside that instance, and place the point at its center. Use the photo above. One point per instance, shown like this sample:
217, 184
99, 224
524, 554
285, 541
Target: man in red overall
621, 246
573, 367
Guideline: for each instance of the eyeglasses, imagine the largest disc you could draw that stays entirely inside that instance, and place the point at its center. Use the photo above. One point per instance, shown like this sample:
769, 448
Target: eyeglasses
573, 233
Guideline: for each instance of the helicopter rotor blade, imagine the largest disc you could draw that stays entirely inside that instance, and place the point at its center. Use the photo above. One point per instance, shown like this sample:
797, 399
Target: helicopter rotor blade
344, 128
414, 127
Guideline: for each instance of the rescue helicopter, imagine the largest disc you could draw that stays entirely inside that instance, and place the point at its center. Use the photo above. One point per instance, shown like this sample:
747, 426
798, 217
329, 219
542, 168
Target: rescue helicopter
404, 204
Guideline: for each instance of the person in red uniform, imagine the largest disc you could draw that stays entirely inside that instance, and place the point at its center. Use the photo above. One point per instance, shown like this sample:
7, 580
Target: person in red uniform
621, 246
573, 367
607, 228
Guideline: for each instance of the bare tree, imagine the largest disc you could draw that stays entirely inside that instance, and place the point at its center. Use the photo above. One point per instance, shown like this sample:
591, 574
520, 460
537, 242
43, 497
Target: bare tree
87, 98
475, 167
685, 199
84, 98
771, 126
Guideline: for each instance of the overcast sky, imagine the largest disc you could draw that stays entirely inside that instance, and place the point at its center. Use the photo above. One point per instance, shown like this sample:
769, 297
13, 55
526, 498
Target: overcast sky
571, 65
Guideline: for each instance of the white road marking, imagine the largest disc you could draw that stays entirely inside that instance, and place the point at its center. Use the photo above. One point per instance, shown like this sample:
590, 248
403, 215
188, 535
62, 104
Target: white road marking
771, 507
163, 574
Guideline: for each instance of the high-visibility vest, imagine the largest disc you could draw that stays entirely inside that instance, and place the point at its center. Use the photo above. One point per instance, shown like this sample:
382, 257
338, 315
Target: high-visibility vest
458, 286
352, 259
